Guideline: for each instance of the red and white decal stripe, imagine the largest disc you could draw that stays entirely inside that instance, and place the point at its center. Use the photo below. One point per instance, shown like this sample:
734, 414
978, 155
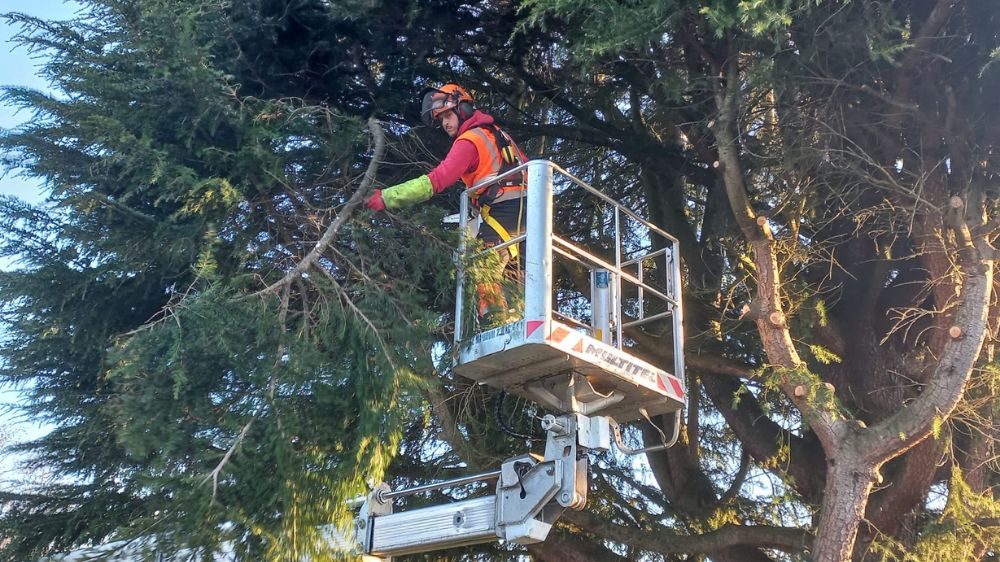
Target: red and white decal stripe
570, 340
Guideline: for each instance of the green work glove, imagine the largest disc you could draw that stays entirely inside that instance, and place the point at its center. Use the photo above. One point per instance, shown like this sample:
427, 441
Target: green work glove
408, 193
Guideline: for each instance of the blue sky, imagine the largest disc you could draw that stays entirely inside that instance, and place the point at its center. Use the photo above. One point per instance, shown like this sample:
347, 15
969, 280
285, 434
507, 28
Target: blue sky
19, 68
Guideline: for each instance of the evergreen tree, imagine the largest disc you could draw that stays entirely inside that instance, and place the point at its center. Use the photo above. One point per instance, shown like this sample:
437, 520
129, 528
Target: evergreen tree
211, 338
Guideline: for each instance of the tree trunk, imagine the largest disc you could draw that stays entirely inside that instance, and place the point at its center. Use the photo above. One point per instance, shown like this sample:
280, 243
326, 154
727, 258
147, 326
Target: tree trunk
848, 485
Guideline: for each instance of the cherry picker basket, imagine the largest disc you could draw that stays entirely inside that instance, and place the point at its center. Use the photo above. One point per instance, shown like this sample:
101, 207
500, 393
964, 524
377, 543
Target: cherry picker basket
559, 343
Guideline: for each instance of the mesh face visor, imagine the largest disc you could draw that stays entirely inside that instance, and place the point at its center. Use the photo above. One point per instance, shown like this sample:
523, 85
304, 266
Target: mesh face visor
435, 102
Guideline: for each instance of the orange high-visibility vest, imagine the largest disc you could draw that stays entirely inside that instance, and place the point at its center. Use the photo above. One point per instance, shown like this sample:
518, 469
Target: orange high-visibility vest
490, 164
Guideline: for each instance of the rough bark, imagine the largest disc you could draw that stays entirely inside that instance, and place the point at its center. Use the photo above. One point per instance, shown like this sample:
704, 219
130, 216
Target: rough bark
561, 548
849, 482
778, 538
853, 466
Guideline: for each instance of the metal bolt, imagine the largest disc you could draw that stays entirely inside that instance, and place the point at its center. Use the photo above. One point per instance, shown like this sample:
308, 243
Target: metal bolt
565, 496
556, 425
362, 523
550, 471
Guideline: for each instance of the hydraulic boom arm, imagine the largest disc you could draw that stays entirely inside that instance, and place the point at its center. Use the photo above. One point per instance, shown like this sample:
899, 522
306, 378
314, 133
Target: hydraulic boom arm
530, 495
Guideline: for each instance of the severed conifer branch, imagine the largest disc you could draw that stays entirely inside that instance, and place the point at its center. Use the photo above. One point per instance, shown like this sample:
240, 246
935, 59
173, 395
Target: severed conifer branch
331, 231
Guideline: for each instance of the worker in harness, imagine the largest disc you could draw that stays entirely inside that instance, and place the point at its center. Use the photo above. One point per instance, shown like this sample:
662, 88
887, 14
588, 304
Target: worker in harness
480, 151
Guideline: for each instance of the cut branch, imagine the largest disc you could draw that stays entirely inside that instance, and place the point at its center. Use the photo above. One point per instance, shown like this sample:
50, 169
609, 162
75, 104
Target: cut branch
913, 423
331, 231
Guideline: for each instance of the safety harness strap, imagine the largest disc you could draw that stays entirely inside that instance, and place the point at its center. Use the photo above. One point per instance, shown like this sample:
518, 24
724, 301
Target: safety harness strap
509, 156
484, 212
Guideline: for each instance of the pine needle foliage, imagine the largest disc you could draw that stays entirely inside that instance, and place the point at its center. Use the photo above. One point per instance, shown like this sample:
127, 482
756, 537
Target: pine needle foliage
965, 527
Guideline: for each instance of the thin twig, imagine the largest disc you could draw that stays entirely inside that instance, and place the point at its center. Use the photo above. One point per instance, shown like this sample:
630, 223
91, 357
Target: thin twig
214, 475
360, 314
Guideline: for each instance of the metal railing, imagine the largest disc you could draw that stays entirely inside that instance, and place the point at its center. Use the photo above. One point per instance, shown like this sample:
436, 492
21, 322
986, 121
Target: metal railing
656, 297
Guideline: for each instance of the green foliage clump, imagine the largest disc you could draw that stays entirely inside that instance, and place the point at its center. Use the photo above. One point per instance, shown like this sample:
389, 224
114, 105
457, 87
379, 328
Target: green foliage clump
964, 528
756, 16
607, 26
818, 393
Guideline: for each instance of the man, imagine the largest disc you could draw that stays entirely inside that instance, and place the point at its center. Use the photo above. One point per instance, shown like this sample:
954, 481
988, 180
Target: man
481, 151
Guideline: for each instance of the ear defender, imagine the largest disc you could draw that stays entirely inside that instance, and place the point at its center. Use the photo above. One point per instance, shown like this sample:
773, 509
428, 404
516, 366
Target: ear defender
465, 110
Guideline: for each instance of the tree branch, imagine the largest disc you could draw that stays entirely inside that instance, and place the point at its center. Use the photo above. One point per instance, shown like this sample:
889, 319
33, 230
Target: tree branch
770, 321
911, 424
786, 539
331, 231
929, 29
214, 475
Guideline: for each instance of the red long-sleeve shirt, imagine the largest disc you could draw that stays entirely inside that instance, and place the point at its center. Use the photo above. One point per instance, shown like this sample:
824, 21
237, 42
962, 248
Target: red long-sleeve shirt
462, 158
